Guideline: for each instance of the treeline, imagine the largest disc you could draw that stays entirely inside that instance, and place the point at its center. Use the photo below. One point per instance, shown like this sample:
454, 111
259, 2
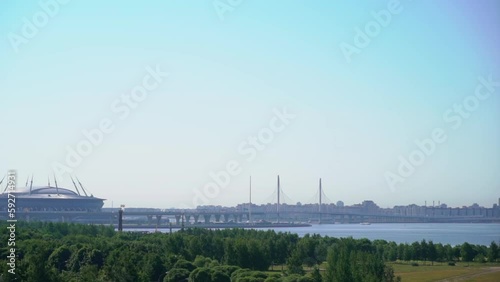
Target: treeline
73, 252
431, 252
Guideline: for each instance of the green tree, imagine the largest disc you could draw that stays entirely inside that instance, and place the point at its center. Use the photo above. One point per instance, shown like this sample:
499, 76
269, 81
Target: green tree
392, 251
493, 252
307, 247
227, 269
431, 252
449, 252
440, 252
59, 258
248, 275
242, 254
316, 275
176, 275
201, 274
294, 263
296, 278
122, 265
339, 268
467, 252
424, 251
457, 249
88, 273
416, 251
152, 267
38, 270
258, 256
230, 255
184, 264
480, 258
407, 252
219, 276
201, 261
195, 247
350, 261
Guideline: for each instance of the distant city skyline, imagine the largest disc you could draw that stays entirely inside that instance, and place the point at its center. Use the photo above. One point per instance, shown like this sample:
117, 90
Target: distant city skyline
173, 104
271, 199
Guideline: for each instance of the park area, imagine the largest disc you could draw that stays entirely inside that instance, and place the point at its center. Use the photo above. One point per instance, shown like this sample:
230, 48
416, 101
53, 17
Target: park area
484, 272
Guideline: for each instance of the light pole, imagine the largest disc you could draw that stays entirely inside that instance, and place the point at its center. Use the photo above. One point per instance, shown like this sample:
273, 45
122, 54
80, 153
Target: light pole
120, 218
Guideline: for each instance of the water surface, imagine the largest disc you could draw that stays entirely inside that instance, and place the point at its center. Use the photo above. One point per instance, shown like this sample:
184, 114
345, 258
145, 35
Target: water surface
445, 233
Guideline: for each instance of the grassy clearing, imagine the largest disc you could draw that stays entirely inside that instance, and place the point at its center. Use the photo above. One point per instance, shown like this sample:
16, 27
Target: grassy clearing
473, 272
488, 277
482, 272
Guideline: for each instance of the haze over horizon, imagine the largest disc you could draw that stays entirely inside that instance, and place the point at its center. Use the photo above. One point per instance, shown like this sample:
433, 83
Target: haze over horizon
182, 106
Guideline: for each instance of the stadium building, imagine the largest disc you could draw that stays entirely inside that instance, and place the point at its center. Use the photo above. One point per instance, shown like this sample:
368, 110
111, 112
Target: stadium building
50, 198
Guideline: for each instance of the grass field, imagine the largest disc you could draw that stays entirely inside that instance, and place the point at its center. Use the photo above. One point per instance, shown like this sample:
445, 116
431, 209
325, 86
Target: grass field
444, 272
481, 272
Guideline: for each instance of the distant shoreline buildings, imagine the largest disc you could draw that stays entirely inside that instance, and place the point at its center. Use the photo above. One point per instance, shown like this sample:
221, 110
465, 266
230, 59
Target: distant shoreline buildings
371, 207
57, 203
368, 209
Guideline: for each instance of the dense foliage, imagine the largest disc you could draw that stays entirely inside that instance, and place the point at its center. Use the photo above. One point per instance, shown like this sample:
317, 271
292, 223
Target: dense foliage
73, 252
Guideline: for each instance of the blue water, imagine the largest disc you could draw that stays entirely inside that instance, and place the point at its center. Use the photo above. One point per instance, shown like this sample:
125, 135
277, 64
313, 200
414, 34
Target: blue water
445, 233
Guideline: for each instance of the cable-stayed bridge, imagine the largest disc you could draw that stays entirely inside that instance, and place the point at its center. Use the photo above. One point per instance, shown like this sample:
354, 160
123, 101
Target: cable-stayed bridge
280, 209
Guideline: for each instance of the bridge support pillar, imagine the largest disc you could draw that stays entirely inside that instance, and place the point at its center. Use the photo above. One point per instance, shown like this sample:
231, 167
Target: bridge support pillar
196, 217
217, 218
188, 217
239, 218
177, 219
207, 218
158, 220
226, 217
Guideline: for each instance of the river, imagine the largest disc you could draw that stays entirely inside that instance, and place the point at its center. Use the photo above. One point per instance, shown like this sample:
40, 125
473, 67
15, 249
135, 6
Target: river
445, 233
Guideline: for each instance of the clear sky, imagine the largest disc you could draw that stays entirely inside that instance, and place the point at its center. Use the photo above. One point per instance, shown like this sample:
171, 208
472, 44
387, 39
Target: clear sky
359, 83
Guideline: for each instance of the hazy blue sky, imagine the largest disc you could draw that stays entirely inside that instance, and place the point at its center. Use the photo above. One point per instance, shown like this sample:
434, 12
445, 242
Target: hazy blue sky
65, 67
